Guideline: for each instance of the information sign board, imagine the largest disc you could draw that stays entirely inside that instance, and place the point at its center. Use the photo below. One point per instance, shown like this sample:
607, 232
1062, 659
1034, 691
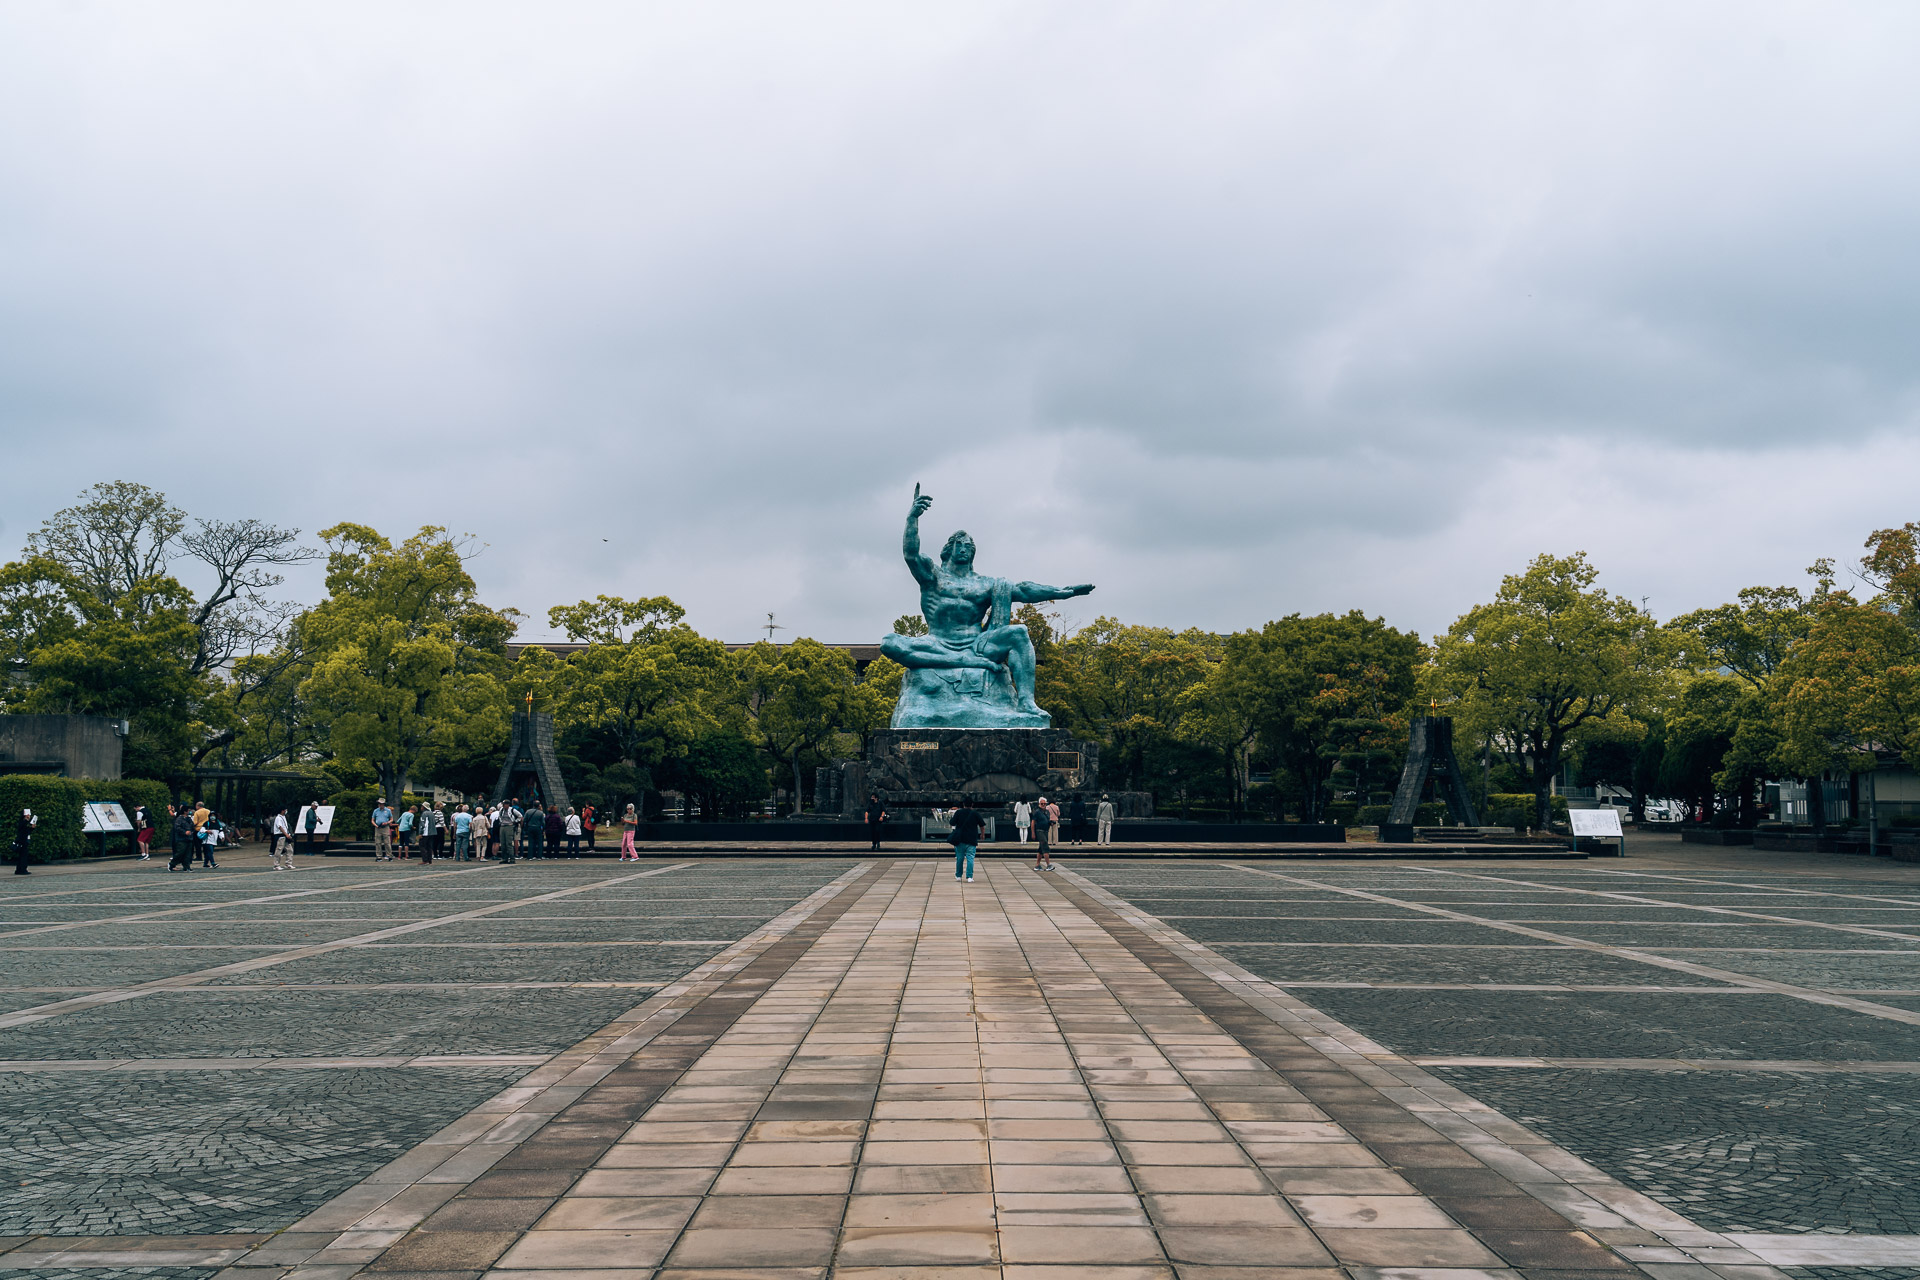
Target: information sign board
103, 816
1600, 823
324, 824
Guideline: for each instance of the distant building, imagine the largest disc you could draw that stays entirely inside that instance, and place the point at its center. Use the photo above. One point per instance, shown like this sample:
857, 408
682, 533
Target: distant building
66, 746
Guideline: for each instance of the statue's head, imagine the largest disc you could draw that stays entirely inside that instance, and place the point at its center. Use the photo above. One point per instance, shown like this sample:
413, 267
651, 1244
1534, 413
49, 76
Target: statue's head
959, 549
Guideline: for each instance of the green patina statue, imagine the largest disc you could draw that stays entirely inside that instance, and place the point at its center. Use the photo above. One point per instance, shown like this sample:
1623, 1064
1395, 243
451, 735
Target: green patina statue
974, 670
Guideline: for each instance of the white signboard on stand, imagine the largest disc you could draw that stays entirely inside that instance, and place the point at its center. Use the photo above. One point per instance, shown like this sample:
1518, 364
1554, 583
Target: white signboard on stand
323, 824
104, 816
1603, 823
1598, 824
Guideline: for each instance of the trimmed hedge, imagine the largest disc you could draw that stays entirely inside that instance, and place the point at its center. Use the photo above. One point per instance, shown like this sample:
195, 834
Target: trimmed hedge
61, 806
1426, 815
1515, 809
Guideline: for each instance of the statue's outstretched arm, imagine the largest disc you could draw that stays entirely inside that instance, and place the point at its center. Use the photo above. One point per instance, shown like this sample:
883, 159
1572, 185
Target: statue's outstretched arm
917, 564
1035, 592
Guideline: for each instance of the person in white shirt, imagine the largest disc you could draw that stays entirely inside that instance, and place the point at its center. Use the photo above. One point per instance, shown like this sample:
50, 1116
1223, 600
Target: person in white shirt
1103, 816
1022, 818
282, 850
573, 834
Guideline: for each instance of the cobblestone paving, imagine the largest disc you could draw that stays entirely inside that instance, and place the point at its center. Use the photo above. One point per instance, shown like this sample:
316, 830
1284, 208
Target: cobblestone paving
311, 1024
130, 1152
107, 1273
1489, 965
1748, 1151
1734, 1150
96, 1153
1610, 1024
1853, 1273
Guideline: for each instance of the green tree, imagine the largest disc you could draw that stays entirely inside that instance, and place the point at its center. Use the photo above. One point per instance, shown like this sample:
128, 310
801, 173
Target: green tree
1549, 657
911, 624
870, 702
1125, 686
794, 696
645, 677
406, 661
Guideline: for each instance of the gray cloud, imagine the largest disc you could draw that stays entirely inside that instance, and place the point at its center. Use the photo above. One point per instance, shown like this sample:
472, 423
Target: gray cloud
1233, 309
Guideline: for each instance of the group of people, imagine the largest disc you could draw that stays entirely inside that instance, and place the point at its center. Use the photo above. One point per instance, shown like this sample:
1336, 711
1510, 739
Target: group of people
1044, 821
506, 831
1040, 818
194, 831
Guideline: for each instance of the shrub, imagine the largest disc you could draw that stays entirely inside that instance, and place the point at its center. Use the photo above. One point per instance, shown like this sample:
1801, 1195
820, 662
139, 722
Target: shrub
60, 804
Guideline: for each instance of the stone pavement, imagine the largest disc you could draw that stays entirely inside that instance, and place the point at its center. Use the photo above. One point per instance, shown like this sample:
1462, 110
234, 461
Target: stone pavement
1131, 1071
1006, 1078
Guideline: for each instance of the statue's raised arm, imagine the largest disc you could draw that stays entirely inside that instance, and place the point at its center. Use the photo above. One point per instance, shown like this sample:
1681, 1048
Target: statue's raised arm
917, 563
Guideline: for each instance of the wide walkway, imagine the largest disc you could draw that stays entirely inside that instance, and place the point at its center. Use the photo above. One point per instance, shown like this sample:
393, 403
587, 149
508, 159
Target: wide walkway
1022, 1077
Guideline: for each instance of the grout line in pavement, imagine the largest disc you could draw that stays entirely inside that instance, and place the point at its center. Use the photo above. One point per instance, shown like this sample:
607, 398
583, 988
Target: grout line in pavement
1815, 1067
1614, 896
1809, 994
1739, 884
231, 902
39, 1013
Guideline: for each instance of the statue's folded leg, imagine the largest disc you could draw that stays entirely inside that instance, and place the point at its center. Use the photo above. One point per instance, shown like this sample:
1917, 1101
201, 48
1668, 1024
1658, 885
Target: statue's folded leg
923, 651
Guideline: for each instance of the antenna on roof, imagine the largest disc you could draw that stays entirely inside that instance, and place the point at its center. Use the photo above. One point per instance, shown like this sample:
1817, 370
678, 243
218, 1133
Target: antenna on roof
771, 627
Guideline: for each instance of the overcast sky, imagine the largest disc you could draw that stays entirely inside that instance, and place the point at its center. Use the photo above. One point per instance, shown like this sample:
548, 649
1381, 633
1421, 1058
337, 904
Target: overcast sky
1233, 309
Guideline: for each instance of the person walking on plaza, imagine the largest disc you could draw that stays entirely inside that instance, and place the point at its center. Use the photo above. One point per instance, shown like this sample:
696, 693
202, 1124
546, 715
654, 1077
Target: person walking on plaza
966, 824
629, 823
382, 831
1042, 831
408, 821
1103, 818
181, 833
22, 839
1077, 819
572, 829
209, 838
876, 818
310, 822
143, 831
1022, 818
281, 850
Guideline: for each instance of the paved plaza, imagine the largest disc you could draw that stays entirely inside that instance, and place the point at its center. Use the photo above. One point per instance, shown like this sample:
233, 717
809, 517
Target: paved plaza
1688, 1064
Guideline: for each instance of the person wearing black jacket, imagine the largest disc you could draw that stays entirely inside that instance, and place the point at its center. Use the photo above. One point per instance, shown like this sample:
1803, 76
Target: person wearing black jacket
182, 833
967, 825
22, 837
1077, 819
876, 815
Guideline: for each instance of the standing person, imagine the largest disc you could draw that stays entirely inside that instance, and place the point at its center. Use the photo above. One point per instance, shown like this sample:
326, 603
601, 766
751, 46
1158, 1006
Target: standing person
534, 825
382, 831
1077, 819
143, 831
462, 834
407, 821
510, 817
967, 825
1103, 816
1022, 817
876, 816
556, 827
23, 837
586, 825
479, 834
310, 821
182, 835
573, 834
210, 837
281, 850
629, 823
1042, 829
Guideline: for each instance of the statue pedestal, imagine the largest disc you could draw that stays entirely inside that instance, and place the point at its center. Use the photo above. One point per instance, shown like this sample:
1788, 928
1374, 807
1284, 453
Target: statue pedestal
915, 770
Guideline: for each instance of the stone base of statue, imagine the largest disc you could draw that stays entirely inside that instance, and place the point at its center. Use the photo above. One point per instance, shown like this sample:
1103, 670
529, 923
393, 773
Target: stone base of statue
921, 769
962, 698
